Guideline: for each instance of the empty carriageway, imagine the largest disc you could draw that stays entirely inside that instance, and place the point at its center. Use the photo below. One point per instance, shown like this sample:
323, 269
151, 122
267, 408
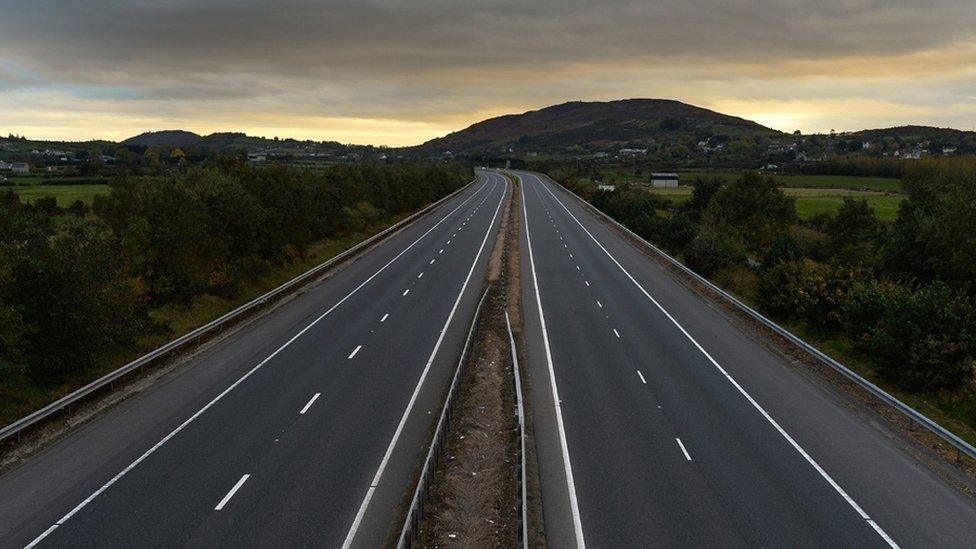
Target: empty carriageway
301, 428
660, 423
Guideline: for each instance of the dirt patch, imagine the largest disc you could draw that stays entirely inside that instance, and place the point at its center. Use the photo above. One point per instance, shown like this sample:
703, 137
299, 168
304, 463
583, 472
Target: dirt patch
473, 498
472, 502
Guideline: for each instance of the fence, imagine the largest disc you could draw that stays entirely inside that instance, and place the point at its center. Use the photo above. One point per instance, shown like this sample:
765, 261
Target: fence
416, 510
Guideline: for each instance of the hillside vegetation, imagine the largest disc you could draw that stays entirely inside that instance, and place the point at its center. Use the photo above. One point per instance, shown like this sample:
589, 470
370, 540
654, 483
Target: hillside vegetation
593, 125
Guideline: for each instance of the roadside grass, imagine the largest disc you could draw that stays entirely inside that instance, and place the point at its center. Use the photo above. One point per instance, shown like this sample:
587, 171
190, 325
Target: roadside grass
811, 201
954, 411
19, 395
65, 194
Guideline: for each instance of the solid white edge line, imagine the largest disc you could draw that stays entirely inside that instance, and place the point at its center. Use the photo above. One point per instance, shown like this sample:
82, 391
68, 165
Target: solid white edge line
850, 501
570, 483
644, 381
309, 403
354, 351
683, 450
241, 379
423, 376
232, 492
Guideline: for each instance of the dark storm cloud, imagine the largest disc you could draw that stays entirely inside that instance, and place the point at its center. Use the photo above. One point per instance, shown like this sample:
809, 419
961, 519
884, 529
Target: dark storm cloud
104, 41
406, 60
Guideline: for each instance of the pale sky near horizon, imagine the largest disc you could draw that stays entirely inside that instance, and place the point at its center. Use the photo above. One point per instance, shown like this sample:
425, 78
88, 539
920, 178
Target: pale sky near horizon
399, 73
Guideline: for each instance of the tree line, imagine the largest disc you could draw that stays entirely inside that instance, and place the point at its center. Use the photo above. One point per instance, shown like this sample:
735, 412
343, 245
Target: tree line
78, 285
901, 294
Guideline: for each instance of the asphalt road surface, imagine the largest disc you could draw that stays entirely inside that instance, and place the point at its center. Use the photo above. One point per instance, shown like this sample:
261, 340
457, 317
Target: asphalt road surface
300, 429
659, 423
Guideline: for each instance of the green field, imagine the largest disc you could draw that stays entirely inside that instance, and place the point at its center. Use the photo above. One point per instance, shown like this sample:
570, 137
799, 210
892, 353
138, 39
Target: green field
65, 194
812, 181
810, 202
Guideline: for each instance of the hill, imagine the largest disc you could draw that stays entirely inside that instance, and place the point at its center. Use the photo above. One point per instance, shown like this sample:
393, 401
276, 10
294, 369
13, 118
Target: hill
165, 138
583, 126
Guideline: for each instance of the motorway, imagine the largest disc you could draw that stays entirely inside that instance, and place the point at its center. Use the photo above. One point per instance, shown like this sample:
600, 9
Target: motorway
660, 423
300, 428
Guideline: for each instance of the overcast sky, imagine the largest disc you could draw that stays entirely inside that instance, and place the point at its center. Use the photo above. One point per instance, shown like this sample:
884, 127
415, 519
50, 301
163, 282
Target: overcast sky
398, 73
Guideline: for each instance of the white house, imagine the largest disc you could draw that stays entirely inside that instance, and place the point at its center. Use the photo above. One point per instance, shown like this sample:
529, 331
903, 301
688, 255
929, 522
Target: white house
20, 167
661, 179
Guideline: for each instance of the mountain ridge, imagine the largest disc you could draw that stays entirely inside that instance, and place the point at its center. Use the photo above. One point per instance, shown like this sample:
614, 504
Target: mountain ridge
593, 125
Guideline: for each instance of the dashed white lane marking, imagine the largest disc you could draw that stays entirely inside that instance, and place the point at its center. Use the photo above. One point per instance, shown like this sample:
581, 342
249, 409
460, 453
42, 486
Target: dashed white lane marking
407, 291
432, 261
232, 492
587, 282
309, 403
570, 255
357, 520
354, 351
385, 317
145, 455
616, 333
644, 381
421, 275
577, 267
683, 450
762, 411
561, 429
441, 251
598, 304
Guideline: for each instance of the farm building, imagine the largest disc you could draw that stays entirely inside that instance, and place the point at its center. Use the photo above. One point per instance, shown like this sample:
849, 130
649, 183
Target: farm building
660, 179
20, 167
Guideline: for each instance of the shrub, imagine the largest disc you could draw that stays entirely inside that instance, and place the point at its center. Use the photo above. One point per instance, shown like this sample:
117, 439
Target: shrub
738, 279
783, 248
678, 231
710, 251
926, 340
805, 290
